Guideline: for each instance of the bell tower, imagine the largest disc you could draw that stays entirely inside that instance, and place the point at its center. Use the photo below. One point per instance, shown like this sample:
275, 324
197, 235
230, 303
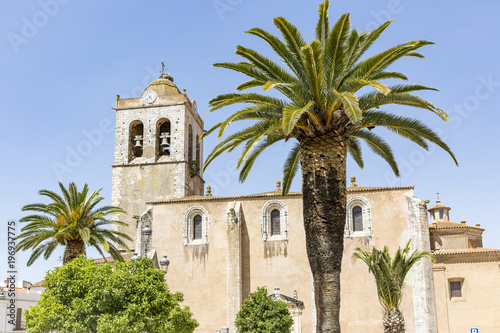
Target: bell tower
158, 153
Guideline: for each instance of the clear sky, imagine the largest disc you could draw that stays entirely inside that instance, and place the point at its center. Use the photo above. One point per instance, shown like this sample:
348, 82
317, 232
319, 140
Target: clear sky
62, 62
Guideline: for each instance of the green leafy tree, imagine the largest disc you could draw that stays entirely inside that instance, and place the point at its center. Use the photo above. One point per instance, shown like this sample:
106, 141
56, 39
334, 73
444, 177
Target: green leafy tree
390, 274
330, 103
126, 298
72, 220
262, 313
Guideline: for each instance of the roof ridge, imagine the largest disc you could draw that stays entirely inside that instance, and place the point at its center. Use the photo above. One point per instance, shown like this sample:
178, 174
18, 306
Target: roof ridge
271, 193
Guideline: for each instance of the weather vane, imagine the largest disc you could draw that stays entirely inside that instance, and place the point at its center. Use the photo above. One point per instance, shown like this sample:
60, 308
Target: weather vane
438, 195
162, 65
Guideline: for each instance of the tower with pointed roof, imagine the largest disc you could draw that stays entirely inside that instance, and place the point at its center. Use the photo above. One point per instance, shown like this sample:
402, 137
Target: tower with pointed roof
158, 153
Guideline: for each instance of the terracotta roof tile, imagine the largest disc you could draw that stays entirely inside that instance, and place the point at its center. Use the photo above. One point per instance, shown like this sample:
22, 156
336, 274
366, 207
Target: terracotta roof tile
438, 206
38, 284
451, 225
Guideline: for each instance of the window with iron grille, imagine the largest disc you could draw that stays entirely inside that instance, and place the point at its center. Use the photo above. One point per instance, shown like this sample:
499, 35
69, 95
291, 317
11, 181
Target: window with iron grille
357, 218
275, 222
197, 227
455, 289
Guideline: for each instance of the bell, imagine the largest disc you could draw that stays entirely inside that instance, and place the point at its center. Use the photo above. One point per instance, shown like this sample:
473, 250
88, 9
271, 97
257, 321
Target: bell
137, 151
138, 146
138, 139
164, 142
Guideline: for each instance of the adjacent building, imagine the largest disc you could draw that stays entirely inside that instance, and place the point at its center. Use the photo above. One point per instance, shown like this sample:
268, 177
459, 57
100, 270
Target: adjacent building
15, 297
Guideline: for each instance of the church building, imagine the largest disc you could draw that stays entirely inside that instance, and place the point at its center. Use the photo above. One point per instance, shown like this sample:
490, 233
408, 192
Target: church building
222, 248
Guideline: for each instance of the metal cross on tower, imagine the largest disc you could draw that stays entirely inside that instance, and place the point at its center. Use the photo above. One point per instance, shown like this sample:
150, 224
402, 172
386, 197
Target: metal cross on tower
162, 65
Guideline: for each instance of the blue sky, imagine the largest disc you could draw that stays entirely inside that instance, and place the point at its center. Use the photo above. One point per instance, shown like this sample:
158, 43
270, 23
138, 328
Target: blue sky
63, 62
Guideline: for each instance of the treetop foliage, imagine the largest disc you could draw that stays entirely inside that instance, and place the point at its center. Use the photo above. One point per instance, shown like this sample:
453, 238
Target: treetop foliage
262, 313
126, 298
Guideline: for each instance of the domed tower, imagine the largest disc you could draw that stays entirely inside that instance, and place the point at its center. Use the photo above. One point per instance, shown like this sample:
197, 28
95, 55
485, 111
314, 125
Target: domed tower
448, 235
439, 212
158, 153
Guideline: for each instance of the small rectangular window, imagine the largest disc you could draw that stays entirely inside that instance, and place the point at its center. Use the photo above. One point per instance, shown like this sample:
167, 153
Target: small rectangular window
456, 289
19, 319
441, 214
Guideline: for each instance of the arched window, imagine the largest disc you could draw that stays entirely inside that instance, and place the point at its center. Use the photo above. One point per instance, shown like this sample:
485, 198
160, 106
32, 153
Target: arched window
190, 144
197, 227
136, 139
163, 137
275, 222
357, 218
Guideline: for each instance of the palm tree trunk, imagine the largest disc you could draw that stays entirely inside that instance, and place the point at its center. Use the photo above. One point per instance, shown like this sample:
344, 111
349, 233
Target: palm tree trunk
323, 163
394, 322
74, 248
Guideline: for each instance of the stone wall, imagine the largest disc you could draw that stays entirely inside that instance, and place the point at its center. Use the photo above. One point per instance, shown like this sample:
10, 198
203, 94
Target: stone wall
214, 281
480, 305
138, 180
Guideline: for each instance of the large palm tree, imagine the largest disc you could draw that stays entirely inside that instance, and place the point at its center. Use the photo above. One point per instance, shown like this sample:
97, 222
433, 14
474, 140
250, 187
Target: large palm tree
390, 274
323, 111
72, 220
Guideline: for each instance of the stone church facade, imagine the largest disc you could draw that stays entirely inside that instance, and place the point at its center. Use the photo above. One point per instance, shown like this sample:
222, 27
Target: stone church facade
222, 248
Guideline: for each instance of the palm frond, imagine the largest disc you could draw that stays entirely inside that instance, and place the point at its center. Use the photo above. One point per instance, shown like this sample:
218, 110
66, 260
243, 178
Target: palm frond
282, 51
409, 128
292, 114
323, 26
335, 50
378, 146
253, 112
388, 75
250, 84
350, 105
290, 168
354, 149
234, 140
375, 100
293, 41
229, 99
265, 65
250, 160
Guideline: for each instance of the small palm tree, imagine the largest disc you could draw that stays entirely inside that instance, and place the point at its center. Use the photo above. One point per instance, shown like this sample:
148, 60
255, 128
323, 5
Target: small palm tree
328, 103
390, 274
72, 220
